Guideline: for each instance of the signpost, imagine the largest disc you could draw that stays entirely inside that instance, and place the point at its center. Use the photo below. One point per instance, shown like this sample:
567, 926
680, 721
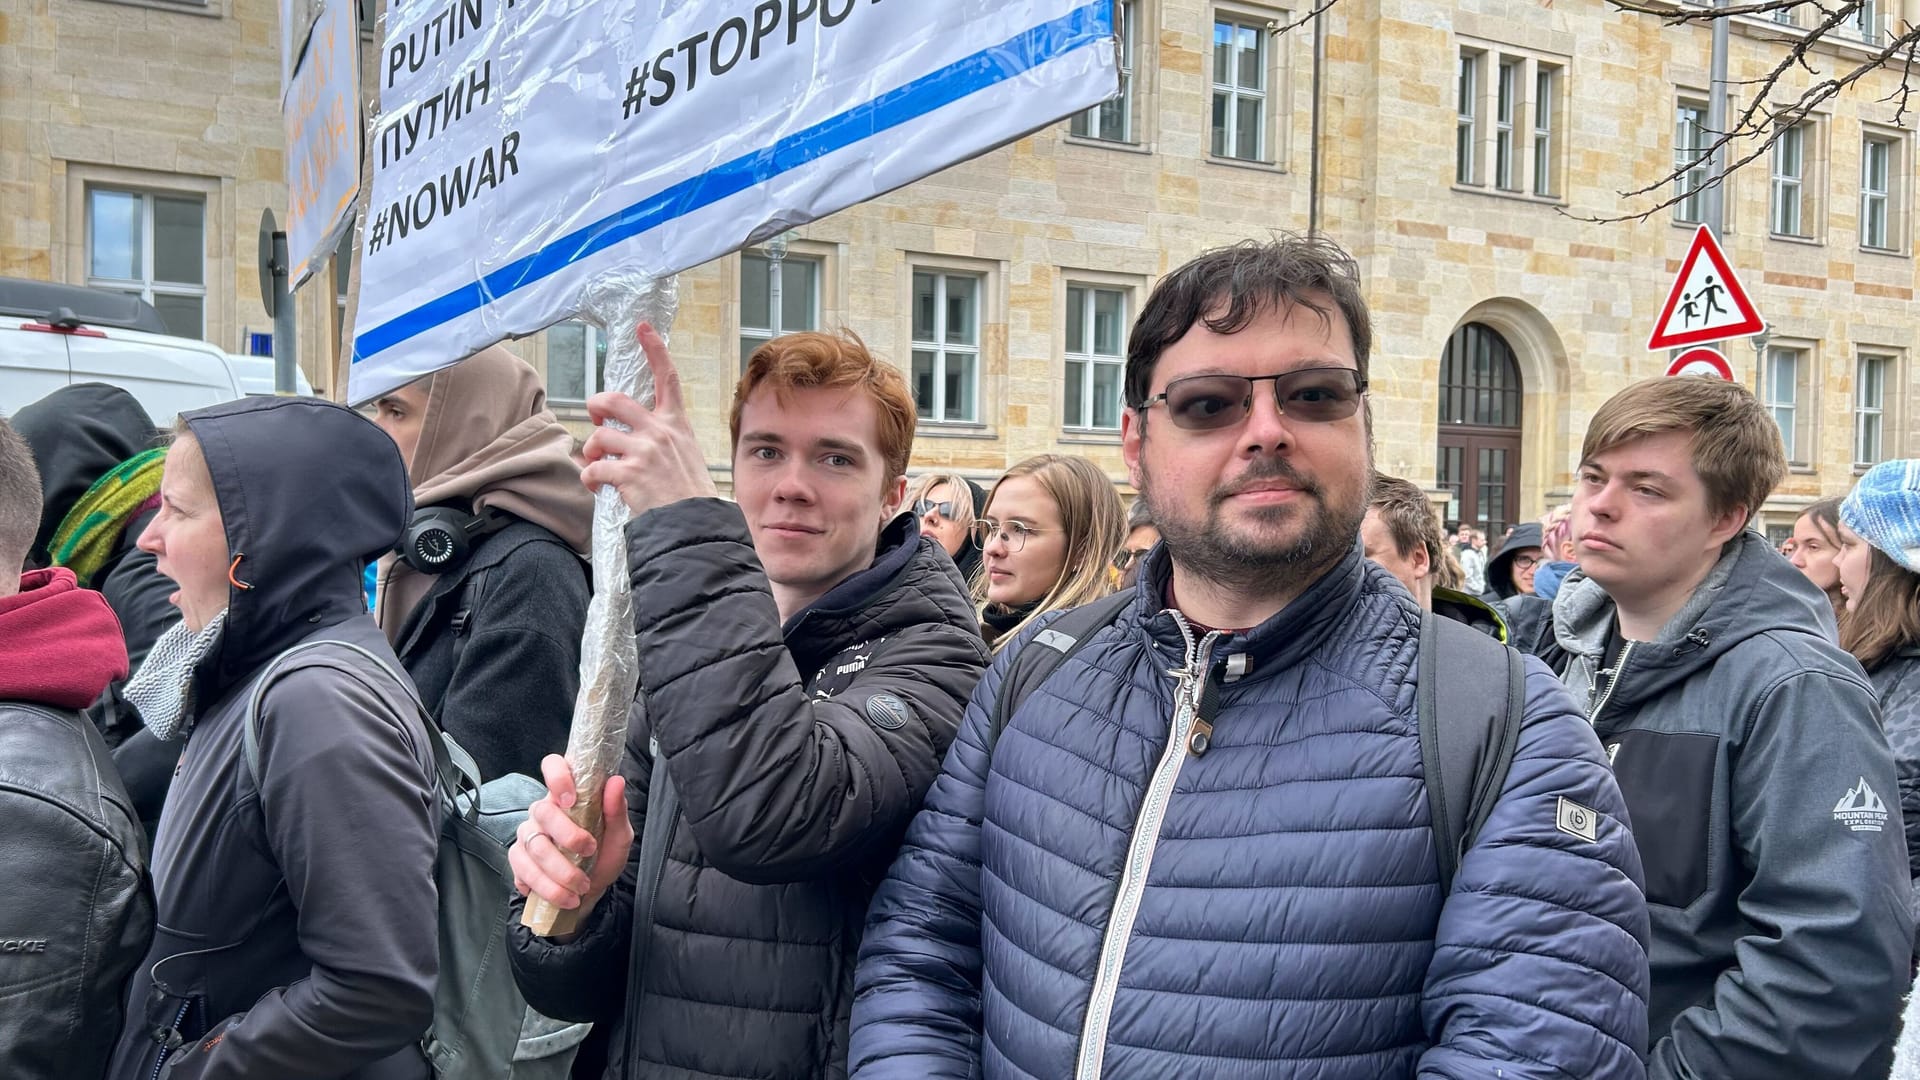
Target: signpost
526, 148
1707, 302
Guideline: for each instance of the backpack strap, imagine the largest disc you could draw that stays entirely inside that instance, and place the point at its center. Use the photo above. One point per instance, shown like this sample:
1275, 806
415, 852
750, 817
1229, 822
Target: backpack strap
1045, 652
1467, 735
457, 771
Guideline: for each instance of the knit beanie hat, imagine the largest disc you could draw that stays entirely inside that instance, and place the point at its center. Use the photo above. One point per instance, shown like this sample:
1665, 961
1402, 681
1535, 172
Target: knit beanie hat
1884, 508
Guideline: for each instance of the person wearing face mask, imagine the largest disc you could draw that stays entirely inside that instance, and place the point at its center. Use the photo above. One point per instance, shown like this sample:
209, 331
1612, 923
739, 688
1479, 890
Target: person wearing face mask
492, 636
296, 899
1816, 541
946, 504
1878, 566
1052, 526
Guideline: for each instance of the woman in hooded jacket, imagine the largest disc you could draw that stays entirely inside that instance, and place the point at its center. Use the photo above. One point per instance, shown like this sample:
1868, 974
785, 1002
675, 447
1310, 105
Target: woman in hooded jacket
293, 878
492, 636
946, 504
1051, 528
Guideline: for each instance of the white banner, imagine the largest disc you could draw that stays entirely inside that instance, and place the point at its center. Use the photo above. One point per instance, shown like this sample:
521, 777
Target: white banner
526, 147
322, 118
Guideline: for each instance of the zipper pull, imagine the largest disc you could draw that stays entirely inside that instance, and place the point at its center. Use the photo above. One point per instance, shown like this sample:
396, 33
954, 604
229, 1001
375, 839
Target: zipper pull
1201, 738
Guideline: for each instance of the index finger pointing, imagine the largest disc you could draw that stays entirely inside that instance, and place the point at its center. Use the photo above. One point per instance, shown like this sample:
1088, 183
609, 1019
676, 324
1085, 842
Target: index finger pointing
666, 377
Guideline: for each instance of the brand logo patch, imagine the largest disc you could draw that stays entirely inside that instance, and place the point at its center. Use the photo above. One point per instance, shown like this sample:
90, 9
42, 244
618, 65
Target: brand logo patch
1576, 820
1860, 809
23, 945
887, 711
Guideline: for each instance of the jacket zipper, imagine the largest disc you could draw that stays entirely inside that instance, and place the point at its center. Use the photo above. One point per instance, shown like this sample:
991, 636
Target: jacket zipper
1613, 680
1146, 836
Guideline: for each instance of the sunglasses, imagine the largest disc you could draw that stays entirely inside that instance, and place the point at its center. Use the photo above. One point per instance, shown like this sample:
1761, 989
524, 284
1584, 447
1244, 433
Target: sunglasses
924, 507
1127, 557
1215, 402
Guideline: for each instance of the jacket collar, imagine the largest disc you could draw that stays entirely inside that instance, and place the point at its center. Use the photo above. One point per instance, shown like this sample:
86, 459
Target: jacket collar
1294, 633
911, 581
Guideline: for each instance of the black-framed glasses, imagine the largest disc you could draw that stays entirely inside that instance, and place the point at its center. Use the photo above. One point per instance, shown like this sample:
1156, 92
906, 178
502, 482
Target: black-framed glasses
1128, 556
927, 506
1525, 562
1014, 534
1318, 395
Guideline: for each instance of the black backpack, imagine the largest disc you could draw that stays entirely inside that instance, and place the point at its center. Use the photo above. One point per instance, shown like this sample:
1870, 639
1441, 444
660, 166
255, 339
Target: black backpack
1467, 732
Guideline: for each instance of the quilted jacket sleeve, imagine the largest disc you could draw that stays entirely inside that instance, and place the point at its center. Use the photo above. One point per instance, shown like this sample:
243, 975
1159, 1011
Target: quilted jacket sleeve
1540, 959
777, 785
916, 1008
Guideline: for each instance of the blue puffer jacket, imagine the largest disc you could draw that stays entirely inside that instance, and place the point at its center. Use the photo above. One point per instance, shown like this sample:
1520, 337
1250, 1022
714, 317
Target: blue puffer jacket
1290, 923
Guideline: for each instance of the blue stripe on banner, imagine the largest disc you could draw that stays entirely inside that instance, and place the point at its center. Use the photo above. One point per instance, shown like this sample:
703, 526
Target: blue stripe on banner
986, 68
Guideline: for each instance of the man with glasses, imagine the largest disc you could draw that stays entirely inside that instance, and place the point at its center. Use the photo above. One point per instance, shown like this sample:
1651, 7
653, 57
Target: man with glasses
1141, 536
1205, 847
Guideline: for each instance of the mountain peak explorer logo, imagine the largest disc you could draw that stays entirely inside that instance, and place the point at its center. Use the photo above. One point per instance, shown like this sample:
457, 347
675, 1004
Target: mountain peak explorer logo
1860, 809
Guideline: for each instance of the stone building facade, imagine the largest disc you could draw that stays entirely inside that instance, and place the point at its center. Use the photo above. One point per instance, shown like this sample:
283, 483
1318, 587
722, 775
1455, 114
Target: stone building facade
1461, 147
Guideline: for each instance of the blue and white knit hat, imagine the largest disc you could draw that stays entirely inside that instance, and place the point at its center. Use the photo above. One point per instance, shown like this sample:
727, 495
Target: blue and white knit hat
1884, 508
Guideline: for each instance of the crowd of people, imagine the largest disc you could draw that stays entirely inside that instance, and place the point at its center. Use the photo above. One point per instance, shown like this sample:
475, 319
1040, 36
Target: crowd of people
931, 778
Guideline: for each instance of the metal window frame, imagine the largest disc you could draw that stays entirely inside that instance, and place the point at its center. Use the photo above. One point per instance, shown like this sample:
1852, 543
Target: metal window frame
1545, 78
1869, 195
1234, 92
1789, 435
765, 333
1506, 109
146, 286
1085, 125
1787, 185
589, 371
941, 348
1691, 208
1879, 363
1089, 358
1466, 165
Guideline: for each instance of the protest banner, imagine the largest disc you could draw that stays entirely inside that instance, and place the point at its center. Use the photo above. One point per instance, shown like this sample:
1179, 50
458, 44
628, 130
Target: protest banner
321, 114
527, 147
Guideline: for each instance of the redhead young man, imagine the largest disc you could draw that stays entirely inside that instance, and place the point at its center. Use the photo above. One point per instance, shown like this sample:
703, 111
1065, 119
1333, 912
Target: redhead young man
805, 655
1747, 744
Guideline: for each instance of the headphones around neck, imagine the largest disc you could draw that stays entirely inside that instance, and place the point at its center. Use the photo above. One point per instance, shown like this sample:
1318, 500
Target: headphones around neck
441, 538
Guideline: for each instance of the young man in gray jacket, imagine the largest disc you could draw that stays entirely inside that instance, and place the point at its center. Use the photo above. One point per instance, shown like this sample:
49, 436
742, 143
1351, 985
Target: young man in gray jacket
1747, 744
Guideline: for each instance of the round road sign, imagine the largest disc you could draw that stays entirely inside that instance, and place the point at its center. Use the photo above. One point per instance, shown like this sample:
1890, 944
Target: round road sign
1702, 361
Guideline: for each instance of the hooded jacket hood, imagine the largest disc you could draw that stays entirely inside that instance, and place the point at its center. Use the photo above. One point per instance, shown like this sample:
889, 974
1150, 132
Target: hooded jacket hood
488, 442
309, 493
1499, 568
78, 433
1749, 592
63, 643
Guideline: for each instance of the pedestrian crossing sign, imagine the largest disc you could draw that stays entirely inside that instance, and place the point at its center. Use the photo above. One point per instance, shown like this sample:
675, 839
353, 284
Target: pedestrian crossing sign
1707, 302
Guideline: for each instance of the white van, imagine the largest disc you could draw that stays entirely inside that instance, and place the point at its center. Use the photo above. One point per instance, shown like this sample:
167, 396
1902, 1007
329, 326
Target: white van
85, 340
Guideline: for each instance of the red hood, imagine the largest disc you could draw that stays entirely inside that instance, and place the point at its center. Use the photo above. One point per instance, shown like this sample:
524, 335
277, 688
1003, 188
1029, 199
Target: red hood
63, 644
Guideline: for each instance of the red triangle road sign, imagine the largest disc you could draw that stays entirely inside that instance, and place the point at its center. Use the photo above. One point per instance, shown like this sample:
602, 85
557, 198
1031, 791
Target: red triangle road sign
1707, 302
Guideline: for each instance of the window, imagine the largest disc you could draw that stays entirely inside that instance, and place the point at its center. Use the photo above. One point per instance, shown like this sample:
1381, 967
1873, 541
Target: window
1780, 388
1869, 407
152, 246
1506, 121
1876, 158
1789, 182
576, 361
1096, 356
1466, 140
1690, 161
799, 308
1866, 22
1506, 104
1543, 106
1239, 91
946, 346
1113, 120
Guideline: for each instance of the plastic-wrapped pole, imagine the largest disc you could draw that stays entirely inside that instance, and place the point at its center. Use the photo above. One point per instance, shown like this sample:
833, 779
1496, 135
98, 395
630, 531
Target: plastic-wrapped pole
609, 671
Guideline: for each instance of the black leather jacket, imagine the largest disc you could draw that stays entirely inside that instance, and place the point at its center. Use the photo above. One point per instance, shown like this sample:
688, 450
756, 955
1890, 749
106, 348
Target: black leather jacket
76, 906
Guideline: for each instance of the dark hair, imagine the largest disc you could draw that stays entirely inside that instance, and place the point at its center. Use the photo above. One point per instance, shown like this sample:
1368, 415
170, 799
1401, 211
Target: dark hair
1139, 514
20, 500
1227, 288
1826, 518
1885, 617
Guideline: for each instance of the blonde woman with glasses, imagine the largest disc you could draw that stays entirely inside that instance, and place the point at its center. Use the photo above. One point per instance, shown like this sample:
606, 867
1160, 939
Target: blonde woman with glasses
945, 504
1051, 528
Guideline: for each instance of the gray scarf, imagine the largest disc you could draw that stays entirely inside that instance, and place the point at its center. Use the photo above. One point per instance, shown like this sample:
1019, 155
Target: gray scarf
162, 689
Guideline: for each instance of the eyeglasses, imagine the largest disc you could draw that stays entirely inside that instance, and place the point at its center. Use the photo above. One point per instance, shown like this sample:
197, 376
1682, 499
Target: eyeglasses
925, 507
1525, 562
1011, 533
1128, 556
1215, 402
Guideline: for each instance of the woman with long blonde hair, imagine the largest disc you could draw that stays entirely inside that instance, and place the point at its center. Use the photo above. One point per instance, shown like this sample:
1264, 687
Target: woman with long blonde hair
1048, 533
946, 503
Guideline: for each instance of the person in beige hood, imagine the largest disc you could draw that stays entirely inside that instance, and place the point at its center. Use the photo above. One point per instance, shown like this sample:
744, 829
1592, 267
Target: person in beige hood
491, 632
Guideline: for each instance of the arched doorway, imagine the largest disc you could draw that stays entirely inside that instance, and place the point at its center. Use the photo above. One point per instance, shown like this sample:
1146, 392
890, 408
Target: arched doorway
1480, 405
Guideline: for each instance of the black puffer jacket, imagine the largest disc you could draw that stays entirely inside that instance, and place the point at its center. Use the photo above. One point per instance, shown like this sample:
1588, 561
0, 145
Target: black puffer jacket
502, 680
799, 754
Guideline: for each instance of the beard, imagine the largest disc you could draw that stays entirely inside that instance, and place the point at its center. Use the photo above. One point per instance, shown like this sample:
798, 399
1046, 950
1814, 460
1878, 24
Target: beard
1263, 558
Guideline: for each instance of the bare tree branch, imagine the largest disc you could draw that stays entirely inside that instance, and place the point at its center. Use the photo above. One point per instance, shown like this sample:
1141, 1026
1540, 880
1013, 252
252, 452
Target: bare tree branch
1768, 115
1278, 28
